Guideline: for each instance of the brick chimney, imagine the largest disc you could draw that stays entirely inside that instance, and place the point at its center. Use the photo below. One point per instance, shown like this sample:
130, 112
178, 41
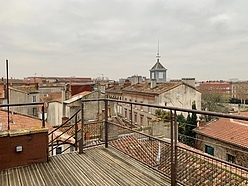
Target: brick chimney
201, 123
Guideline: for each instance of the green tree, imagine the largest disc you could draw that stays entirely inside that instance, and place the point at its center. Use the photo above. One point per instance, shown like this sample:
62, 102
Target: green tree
213, 101
164, 115
181, 127
191, 123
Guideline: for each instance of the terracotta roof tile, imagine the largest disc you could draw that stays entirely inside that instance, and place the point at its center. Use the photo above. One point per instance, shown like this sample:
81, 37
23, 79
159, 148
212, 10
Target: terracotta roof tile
52, 96
25, 89
190, 167
145, 87
228, 130
20, 122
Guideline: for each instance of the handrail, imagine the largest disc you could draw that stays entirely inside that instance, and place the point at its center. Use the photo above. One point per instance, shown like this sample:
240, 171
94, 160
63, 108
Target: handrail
223, 115
26, 104
63, 124
21, 104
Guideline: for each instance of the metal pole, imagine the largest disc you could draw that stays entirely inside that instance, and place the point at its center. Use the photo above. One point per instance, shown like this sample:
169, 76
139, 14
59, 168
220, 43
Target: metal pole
81, 142
76, 136
131, 114
43, 116
106, 123
175, 144
173, 177
7, 71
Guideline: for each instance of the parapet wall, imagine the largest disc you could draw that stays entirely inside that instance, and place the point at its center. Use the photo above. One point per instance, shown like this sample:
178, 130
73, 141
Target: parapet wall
23, 147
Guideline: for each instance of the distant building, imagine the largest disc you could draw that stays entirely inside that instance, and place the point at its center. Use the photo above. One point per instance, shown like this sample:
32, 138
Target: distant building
136, 79
240, 91
225, 139
220, 87
165, 94
24, 94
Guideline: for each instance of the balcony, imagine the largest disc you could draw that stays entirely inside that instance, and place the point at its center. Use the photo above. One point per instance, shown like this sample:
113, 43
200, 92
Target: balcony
110, 153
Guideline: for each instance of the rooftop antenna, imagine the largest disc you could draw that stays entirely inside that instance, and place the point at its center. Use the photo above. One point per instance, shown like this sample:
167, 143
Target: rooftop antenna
7, 72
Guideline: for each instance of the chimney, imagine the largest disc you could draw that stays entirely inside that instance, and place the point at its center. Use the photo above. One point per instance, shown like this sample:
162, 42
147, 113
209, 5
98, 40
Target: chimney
127, 83
153, 83
201, 123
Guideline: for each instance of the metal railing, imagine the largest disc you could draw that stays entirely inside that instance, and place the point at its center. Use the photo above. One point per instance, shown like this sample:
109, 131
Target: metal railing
9, 111
183, 164
57, 136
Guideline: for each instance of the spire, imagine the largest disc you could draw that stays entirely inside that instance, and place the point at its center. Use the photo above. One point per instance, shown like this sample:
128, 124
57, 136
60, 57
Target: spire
158, 56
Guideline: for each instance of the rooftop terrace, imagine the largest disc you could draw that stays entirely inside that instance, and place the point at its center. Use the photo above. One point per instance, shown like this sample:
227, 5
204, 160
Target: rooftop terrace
96, 166
130, 157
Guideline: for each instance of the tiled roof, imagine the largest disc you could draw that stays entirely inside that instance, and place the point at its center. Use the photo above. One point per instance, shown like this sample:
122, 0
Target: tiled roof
52, 96
1, 91
190, 167
146, 88
19, 122
25, 89
115, 89
22, 123
227, 130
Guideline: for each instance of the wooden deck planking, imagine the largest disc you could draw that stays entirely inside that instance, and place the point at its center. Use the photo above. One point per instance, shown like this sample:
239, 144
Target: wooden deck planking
95, 167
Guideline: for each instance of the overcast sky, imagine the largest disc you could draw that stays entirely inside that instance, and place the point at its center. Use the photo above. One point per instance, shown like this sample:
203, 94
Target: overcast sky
204, 39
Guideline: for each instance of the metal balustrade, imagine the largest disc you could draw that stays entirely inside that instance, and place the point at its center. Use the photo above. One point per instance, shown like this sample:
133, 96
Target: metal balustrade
184, 165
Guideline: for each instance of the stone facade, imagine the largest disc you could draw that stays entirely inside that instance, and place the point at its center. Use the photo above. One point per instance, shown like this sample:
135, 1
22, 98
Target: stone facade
223, 149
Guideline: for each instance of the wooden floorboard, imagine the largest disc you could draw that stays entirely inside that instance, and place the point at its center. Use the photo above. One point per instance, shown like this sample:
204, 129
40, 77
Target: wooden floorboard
95, 167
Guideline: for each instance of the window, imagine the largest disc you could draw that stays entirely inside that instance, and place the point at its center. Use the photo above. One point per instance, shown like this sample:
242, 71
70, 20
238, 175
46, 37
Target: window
135, 117
149, 121
71, 148
230, 158
141, 119
125, 113
34, 98
59, 150
34, 111
153, 75
141, 106
149, 109
209, 150
160, 75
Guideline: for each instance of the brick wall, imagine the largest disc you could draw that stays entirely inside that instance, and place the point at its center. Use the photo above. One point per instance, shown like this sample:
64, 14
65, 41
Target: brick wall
34, 146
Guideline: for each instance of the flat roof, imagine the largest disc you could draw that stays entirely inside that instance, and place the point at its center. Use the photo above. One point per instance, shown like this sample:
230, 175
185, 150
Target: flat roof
96, 166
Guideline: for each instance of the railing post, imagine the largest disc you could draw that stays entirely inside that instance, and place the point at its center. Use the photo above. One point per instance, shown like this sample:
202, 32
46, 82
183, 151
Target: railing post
76, 136
43, 116
106, 123
52, 144
131, 113
175, 144
81, 142
173, 168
